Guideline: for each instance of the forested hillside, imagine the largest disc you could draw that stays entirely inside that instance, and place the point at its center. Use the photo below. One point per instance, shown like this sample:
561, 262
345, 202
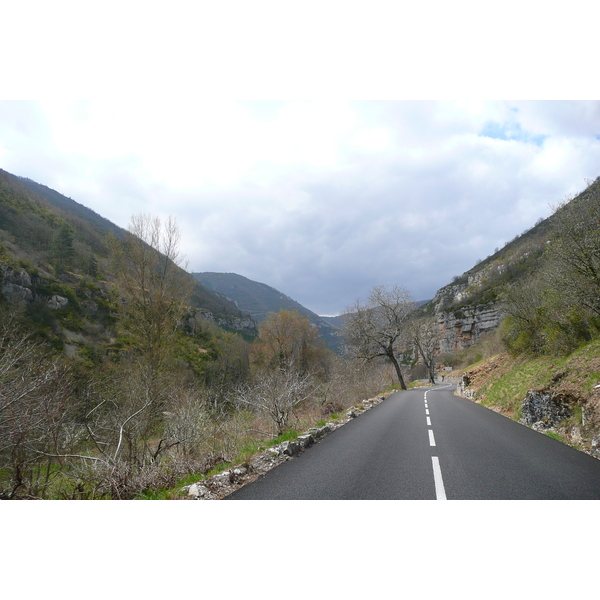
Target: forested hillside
56, 239
541, 365
533, 265
121, 375
260, 300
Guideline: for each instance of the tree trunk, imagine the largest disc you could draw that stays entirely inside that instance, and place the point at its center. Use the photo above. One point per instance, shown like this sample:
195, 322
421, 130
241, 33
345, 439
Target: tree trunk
392, 357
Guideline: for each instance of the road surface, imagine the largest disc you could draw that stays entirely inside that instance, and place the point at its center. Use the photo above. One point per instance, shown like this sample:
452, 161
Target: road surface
427, 444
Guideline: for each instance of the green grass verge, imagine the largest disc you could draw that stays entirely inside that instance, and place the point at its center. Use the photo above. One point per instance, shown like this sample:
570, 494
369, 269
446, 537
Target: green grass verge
508, 391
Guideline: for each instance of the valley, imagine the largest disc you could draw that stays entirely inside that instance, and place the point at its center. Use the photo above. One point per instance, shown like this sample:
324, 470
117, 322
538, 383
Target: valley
124, 376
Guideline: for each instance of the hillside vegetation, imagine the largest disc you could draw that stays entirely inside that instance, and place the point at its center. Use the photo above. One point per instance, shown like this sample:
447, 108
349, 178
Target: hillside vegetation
542, 366
571, 383
121, 375
261, 300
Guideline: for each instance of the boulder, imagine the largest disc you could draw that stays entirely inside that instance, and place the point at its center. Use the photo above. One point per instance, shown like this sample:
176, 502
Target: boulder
57, 302
17, 293
290, 448
321, 431
545, 409
306, 440
223, 478
15, 275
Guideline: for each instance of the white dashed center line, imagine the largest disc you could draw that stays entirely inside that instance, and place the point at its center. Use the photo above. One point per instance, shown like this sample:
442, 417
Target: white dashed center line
440, 492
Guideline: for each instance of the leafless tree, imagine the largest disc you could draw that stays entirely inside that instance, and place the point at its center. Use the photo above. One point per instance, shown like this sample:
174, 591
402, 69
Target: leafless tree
379, 327
35, 412
277, 393
426, 337
156, 287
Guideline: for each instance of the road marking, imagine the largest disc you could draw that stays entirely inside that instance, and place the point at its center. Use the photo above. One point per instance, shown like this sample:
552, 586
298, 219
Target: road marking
428, 421
440, 492
431, 438
426, 411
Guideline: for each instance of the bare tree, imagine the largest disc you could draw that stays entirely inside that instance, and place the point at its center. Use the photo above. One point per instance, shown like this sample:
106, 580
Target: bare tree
379, 327
35, 411
155, 285
276, 393
426, 337
156, 289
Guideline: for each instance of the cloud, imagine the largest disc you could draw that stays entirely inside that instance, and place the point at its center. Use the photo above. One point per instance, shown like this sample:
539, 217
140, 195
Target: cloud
320, 199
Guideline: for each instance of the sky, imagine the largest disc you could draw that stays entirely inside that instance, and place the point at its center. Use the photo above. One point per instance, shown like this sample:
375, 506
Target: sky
326, 196
320, 199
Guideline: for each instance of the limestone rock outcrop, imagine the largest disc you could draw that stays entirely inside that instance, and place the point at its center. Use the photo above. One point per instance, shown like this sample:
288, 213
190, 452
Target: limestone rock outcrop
15, 284
463, 327
543, 410
462, 324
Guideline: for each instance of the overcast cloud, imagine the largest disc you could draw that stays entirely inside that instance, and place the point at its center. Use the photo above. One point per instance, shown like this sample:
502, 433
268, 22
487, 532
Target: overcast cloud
319, 199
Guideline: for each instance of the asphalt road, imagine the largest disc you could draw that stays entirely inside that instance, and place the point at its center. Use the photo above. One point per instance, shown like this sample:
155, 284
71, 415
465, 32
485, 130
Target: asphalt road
427, 444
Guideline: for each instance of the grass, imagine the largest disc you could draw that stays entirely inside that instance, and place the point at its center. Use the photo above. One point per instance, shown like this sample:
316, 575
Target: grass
502, 383
561, 439
245, 453
509, 389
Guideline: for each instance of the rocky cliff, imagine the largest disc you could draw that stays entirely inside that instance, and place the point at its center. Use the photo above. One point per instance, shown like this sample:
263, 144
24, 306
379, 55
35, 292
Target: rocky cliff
19, 287
461, 324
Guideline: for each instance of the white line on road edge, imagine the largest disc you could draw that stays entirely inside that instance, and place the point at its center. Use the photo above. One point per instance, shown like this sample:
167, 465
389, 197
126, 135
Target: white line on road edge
440, 492
431, 438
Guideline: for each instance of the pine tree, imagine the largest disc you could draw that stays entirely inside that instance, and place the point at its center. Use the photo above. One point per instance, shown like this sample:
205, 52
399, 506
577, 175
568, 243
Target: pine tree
62, 250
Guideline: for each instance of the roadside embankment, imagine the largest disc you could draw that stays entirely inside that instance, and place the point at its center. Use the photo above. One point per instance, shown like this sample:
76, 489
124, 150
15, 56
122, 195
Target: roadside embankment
225, 483
559, 396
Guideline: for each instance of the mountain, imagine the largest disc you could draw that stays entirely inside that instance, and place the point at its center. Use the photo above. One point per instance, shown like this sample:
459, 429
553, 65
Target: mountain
260, 299
69, 206
472, 304
38, 225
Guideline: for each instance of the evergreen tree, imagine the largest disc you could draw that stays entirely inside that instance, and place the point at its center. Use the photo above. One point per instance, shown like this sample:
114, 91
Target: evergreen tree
62, 250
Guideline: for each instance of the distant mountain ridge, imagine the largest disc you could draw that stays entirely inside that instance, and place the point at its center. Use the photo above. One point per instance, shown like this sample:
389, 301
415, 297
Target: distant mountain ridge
260, 299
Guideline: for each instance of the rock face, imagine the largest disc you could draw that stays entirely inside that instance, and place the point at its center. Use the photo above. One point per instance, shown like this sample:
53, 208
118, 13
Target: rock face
463, 327
15, 284
462, 324
543, 410
234, 323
